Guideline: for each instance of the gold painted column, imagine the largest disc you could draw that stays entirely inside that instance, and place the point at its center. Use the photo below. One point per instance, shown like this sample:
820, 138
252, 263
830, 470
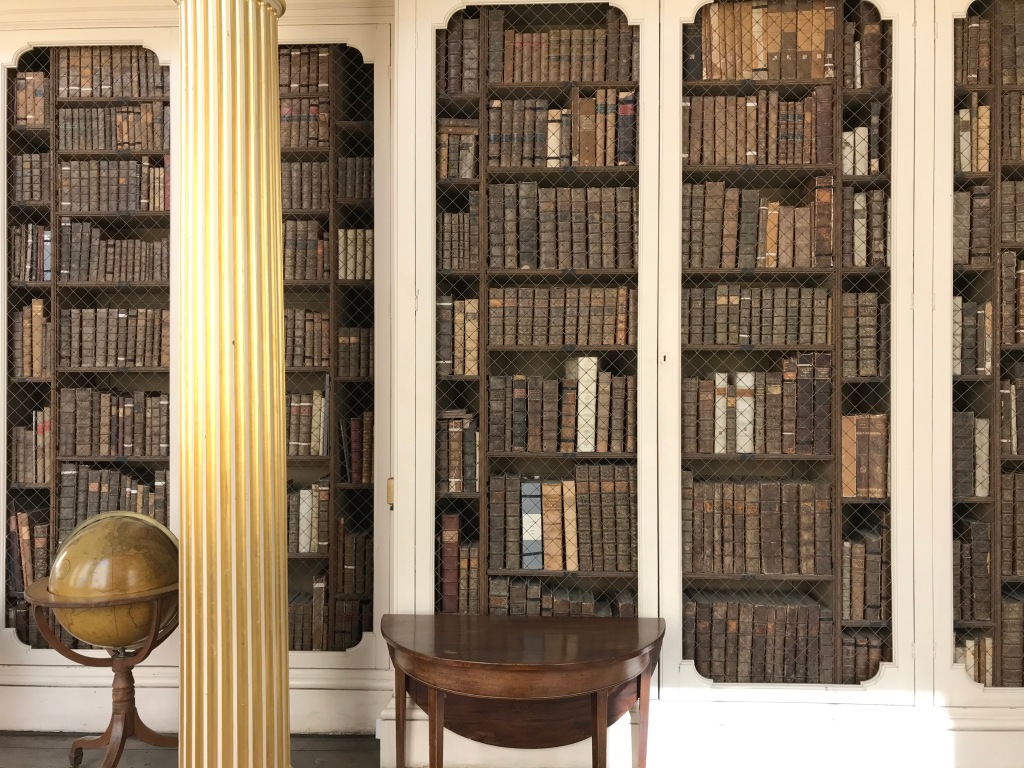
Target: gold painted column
229, 369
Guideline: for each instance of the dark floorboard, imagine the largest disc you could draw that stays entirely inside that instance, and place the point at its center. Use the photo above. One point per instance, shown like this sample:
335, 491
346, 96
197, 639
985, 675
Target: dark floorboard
51, 751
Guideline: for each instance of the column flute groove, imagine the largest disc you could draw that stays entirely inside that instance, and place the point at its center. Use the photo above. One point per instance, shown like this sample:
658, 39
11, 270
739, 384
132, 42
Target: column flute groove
229, 337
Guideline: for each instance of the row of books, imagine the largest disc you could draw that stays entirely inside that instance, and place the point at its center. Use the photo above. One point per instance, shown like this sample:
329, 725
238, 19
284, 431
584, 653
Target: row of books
307, 337
354, 574
972, 453
144, 127
90, 255
305, 184
582, 54
86, 491
304, 123
31, 100
28, 550
972, 337
589, 411
114, 186
92, 422
761, 41
357, 449
31, 342
739, 637
309, 511
756, 527
788, 412
730, 228
865, 456
585, 524
1011, 396
866, 587
1011, 523
1011, 126
355, 177
355, 254
30, 178
452, 572
307, 425
972, 227
759, 130
599, 130
308, 620
731, 314
864, 329
972, 46
1011, 38
976, 654
863, 147
352, 618
115, 338
305, 247
587, 316
457, 140
355, 352
530, 596
532, 227
458, 336
32, 450
972, 148
865, 239
1012, 641
303, 68
861, 655
1011, 211
1011, 303
458, 237
457, 451
972, 572
110, 72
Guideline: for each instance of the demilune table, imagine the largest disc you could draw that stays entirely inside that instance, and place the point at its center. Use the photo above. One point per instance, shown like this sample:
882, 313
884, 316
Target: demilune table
515, 681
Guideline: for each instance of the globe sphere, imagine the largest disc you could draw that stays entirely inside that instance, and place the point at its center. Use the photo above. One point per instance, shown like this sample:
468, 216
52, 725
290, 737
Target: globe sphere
113, 556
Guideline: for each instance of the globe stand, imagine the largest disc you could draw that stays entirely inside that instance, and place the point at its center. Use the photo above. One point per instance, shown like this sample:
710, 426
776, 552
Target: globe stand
124, 720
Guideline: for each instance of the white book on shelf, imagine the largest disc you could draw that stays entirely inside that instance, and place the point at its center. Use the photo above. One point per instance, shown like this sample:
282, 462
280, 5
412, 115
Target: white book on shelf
958, 335
861, 166
745, 412
584, 371
982, 451
307, 520
860, 229
963, 140
721, 411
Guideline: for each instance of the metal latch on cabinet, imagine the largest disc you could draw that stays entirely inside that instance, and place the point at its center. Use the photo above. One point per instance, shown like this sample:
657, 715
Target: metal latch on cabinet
391, 492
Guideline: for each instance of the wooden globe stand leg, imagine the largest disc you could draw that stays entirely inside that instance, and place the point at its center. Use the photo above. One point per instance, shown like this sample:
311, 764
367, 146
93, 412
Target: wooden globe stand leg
124, 721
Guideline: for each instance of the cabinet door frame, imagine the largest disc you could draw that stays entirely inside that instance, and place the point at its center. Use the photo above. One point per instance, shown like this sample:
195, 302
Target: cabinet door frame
895, 682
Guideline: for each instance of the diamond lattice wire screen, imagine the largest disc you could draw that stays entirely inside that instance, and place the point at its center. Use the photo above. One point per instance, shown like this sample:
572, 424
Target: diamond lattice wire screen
785, 330
88, 198
988, 240
327, 196
536, 311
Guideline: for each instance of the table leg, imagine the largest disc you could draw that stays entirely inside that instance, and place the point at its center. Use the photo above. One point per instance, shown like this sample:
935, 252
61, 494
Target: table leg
435, 715
399, 718
645, 706
600, 738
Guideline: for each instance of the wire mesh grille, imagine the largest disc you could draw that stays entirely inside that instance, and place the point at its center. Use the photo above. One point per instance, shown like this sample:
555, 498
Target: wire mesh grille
327, 196
988, 233
87, 300
785, 330
537, 311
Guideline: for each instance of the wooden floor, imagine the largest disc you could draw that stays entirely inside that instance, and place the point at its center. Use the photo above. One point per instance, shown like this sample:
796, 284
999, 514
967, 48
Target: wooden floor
51, 751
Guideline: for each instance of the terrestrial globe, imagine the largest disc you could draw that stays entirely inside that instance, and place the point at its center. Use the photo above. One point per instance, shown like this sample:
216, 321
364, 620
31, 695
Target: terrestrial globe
114, 557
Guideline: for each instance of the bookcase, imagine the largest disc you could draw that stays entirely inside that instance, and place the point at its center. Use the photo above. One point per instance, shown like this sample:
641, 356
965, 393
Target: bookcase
327, 156
784, 381
87, 299
536, 275
987, 237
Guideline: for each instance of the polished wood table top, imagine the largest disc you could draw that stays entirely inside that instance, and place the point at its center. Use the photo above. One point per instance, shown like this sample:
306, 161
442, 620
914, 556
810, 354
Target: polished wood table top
518, 681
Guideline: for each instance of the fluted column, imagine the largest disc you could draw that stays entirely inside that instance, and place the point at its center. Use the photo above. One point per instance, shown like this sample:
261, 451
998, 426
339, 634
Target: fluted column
229, 369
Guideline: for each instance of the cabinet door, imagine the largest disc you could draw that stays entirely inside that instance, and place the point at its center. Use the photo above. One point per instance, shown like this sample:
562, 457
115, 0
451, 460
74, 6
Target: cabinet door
785, 287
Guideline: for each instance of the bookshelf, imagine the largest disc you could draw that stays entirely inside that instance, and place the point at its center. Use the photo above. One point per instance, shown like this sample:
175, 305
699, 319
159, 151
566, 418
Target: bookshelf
87, 299
785, 304
327, 156
537, 276
987, 365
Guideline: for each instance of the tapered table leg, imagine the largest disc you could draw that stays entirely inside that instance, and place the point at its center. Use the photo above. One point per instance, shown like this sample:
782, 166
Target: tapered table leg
600, 739
645, 706
435, 714
399, 718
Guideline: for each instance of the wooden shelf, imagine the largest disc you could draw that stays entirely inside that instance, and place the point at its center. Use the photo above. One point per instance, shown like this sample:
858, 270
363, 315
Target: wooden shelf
578, 456
865, 623
754, 457
873, 500
754, 272
565, 348
529, 572
161, 460
748, 348
115, 215
469, 495
308, 555
757, 577
573, 176
139, 369
552, 274
120, 285
108, 101
109, 154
